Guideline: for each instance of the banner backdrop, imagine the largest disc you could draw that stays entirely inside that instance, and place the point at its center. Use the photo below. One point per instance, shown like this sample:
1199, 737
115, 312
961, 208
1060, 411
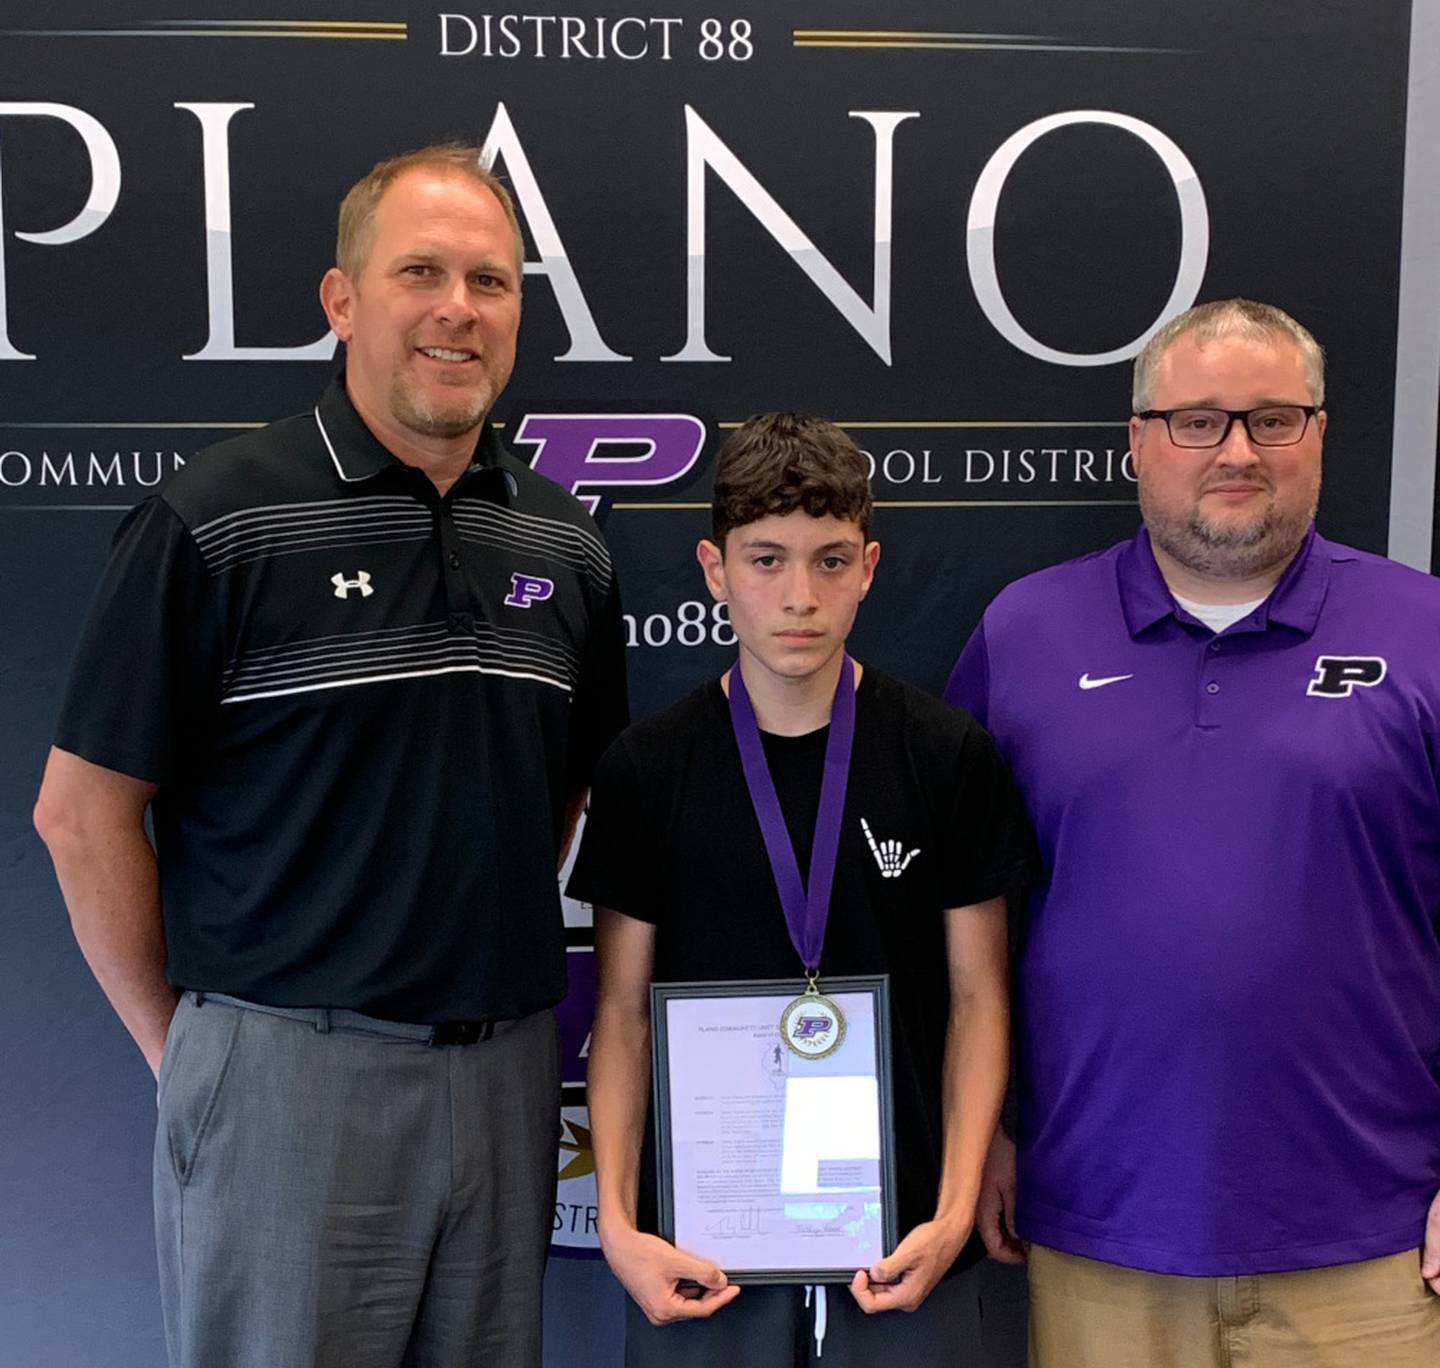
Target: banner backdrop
949, 228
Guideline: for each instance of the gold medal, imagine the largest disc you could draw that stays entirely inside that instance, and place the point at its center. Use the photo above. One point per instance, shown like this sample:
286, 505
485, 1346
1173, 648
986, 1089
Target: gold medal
812, 1025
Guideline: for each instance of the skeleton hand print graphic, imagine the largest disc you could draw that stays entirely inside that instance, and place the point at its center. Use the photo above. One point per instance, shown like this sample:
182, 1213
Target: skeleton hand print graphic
891, 856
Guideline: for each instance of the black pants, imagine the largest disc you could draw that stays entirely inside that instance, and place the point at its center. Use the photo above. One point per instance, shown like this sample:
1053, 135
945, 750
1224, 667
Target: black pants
771, 1327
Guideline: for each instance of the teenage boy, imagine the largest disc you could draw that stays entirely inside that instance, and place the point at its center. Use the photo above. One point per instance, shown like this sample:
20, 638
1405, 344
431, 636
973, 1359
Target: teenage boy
931, 836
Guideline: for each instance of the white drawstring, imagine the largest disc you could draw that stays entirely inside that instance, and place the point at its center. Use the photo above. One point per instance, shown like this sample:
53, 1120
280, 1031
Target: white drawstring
821, 1315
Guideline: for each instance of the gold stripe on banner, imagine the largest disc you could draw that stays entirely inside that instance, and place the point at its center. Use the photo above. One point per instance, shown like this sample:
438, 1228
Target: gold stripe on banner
967, 42
283, 23
1006, 503
885, 425
147, 427
920, 503
376, 30
924, 33
854, 423
195, 33
690, 507
141, 427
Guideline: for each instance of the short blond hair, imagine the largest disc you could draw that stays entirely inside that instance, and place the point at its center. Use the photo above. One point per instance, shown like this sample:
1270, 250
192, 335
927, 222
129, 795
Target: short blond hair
1229, 318
356, 232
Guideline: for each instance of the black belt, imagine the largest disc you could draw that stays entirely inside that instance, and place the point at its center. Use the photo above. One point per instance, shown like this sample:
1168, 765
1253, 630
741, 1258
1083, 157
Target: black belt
325, 1019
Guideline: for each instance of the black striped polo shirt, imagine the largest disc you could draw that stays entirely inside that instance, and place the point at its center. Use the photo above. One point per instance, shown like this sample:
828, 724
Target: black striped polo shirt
364, 706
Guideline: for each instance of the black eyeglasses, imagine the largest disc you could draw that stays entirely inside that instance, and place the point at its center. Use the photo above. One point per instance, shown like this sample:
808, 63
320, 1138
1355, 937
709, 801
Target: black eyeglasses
1275, 425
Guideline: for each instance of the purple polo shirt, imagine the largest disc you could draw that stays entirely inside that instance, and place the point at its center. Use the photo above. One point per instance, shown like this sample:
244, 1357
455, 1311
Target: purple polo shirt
1229, 990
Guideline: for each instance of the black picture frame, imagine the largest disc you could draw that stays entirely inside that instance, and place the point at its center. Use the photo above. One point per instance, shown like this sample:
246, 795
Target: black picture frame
782, 990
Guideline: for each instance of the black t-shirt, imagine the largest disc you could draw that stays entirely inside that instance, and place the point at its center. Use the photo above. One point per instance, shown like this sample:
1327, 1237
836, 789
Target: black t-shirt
672, 839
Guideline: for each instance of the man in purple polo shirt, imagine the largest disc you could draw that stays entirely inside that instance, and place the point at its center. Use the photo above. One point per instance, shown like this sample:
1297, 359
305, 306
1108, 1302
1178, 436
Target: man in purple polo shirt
1227, 733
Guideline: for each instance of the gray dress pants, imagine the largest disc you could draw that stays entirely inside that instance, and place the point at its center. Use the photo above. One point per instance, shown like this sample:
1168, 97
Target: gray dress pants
331, 1197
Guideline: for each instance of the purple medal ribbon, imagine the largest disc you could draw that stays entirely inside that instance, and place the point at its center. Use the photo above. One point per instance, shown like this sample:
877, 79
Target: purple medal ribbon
807, 906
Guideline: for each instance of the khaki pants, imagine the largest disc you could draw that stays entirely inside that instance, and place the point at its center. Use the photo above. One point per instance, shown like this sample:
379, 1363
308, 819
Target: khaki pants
1375, 1314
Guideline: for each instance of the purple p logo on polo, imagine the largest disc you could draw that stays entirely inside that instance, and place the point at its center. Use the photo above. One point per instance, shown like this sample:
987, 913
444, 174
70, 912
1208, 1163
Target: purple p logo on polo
528, 589
571, 449
810, 1027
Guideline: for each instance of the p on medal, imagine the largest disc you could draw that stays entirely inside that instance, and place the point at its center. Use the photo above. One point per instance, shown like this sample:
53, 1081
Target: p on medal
812, 1025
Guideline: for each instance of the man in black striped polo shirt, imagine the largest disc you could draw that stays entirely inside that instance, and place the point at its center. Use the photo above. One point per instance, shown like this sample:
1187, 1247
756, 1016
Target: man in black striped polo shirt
357, 666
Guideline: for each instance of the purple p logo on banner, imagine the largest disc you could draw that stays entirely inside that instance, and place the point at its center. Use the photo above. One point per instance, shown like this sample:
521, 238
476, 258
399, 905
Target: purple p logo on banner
571, 448
528, 589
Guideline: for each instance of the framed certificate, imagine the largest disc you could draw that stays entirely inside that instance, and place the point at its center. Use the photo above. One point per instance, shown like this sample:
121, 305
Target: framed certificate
776, 1153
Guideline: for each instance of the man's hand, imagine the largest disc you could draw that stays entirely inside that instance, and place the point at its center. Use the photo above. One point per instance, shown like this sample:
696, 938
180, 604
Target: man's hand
651, 1270
904, 1280
1430, 1255
995, 1209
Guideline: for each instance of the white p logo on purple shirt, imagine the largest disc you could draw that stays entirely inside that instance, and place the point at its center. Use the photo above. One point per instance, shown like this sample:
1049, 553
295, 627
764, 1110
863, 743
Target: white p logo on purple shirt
528, 589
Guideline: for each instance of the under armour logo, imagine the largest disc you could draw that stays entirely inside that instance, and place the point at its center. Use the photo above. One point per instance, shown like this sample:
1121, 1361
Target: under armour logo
344, 586
528, 589
1339, 676
889, 855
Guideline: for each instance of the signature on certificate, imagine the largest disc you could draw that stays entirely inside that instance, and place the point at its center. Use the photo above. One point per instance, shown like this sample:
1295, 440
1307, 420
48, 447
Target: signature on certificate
739, 1221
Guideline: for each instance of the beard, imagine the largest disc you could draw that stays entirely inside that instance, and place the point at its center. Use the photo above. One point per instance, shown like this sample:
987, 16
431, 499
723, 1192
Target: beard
431, 418
1230, 549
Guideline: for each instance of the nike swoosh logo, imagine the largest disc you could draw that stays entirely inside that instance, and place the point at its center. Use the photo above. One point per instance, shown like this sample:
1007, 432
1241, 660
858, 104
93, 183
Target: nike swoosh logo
1087, 683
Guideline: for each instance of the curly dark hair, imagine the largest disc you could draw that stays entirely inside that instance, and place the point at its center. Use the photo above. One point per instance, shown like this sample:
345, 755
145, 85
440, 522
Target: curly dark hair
778, 462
